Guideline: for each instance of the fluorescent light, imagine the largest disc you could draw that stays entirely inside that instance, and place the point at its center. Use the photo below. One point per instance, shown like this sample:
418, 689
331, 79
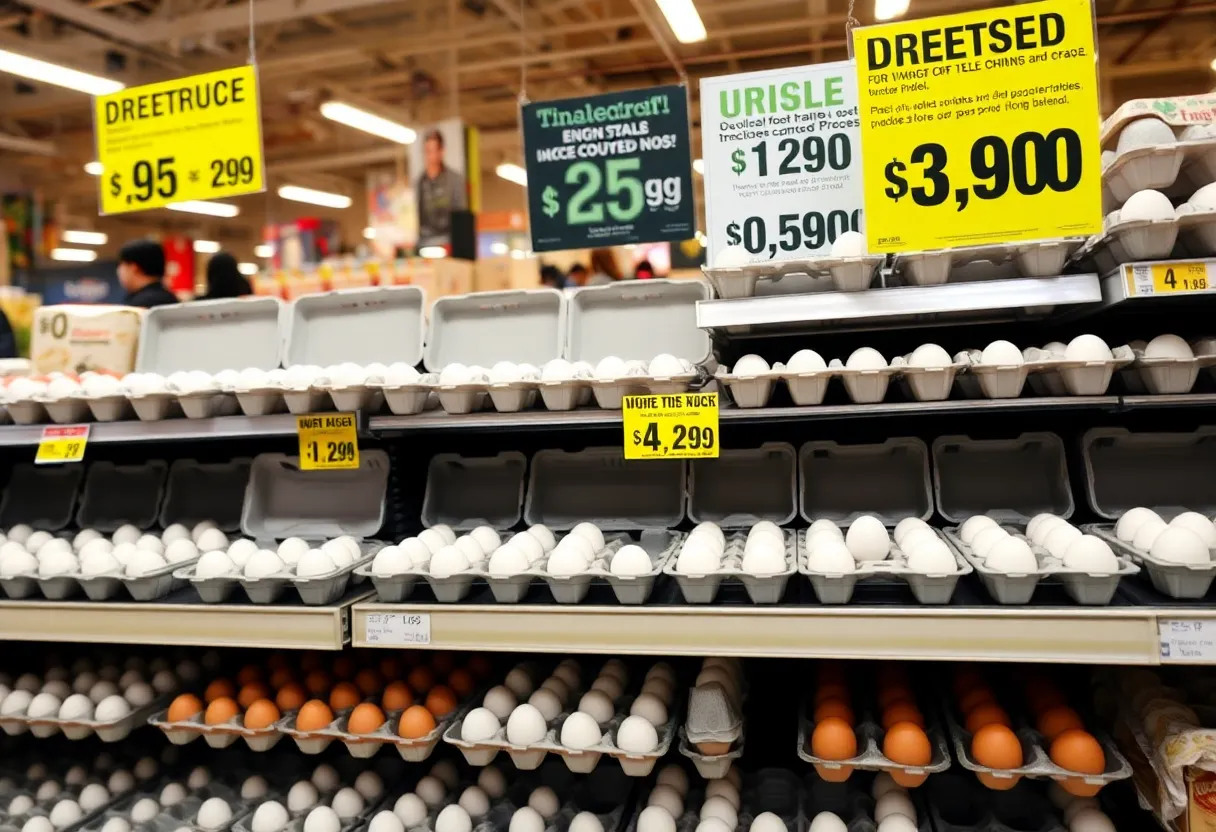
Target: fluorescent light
499, 248
683, 19
60, 76
433, 252
85, 238
369, 233
206, 246
512, 173
323, 198
519, 254
94, 168
368, 122
247, 268
1214, 64
264, 250
211, 209
890, 9
698, 165
77, 255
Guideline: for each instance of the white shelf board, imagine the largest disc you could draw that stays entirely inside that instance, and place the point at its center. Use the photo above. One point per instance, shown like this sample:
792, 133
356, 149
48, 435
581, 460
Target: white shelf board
1121, 285
878, 308
166, 430
1098, 635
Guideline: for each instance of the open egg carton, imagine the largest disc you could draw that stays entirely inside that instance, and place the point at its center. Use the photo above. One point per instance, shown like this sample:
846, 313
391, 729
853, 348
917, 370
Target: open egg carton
557, 797
769, 799
37, 504
1158, 144
713, 732
362, 746
846, 268
177, 805
220, 735
1041, 258
956, 802
111, 730
324, 521
60, 811
1168, 364
1150, 227
708, 556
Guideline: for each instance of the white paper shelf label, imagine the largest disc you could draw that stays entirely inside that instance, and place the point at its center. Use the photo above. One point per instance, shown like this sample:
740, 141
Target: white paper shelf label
398, 628
1190, 641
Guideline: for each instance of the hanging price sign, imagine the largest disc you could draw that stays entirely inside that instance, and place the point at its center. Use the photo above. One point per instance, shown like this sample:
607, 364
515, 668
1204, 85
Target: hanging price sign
195, 138
328, 441
980, 127
775, 144
676, 426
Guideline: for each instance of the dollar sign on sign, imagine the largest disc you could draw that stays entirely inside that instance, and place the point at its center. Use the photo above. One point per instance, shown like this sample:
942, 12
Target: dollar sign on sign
115, 185
893, 172
549, 200
739, 164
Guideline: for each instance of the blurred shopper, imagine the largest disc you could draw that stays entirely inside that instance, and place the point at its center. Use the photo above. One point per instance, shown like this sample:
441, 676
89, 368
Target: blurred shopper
8, 340
604, 268
141, 271
551, 276
577, 276
643, 271
224, 279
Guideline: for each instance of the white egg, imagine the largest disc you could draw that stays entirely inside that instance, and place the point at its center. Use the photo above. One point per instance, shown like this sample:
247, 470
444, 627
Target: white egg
303, 795
1088, 348
983, 542
637, 735
410, 810
831, 556
504, 372
651, 707
750, 365
1032, 527
726, 789
76, 706
370, 785
507, 561
263, 564
139, 694
526, 725
270, 816
867, 539
732, 257
526, 819
143, 563
1091, 554
1055, 349
93, 797
1202, 527
1060, 538
609, 368
1146, 205
697, 557
38, 823
929, 355
598, 705
866, 358
314, 563
390, 560
241, 550
1131, 521
453, 819
1011, 555
932, 557
43, 705
150, 542
214, 564
654, 819
566, 561
322, 819
449, 561
172, 794
806, 361
1180, 545
849, 244
254, 787
16, 561
500, 701
972, 526
558, 369
585, 822
343, 551
1147, 131
385, 822
894, 803
1001, 353
721, 808
1090, 819
764, 558
214, 813
827, 822
98, 563
631, 560
1147, 533
1204, 198
580, 731
665, 365
667, 798
897, 823
591, 533
544, 801
347, 803
292, 549
126, 534
479, 724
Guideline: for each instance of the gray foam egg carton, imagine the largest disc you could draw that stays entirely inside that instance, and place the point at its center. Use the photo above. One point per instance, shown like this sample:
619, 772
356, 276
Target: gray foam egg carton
927, 588
761, 589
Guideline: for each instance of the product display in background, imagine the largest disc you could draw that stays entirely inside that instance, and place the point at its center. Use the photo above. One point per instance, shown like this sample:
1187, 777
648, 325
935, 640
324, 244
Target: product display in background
75, 338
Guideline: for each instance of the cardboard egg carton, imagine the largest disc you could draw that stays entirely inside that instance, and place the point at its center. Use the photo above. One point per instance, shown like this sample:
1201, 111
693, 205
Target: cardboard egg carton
870, 756
217, 736
579, 761
1051, 376
1162, 376
363, 746
927, 587
1130, 241
847, 274
150, 586
1176, 580
762, 589
78, 729
316, 590
1041, 258
1088, 588
711, 767
609, 393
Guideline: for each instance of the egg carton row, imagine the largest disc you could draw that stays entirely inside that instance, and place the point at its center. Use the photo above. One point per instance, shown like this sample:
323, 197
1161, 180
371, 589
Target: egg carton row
31, 806
182, 816
711, 767
1183, 581
84, 822
928, 587
702, 588
1042, 258
809, 387
1015, 588
1132, 239
1186, 163
314, 590
958, 804
579, 761
774, 791
847, 274
501, 812
149, 586
363, 746
222, 735
564, 395
871, 757
1038, 763
78, 729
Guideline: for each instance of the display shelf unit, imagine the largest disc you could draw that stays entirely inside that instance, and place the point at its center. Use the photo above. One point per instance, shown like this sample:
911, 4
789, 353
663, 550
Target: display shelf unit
973, 302
1134, 282
166, 430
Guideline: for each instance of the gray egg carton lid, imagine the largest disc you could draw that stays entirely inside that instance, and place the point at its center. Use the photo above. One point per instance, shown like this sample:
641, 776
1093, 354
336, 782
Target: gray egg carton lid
42, 496
1167, 472
744, 486
889, 480
1033, 477
525, 326
598, 485
636, 320
115, 495
283, 501
465, 492
198, 491
212, 335
377, 324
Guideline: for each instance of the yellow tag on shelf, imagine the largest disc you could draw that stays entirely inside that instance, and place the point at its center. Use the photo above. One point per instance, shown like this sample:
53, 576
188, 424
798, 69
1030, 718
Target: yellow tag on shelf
62, 443
195, 138
980, 127
678, 426
328, 441
1168, 278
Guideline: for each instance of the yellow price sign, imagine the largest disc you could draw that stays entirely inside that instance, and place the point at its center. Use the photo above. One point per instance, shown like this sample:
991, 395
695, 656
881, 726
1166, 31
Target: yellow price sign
195, 138
62, 443
328, 441
980, 127
672, 426
1168, 278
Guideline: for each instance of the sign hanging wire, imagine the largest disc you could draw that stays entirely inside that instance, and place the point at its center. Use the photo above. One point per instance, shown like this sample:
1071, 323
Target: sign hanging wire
523, 52
850, 24
253, 60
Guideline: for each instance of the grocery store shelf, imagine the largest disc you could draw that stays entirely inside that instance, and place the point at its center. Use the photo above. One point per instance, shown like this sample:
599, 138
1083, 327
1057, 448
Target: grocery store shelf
1176, 400
167, 430
189, 622
1103, 635
1134, 282
979, 301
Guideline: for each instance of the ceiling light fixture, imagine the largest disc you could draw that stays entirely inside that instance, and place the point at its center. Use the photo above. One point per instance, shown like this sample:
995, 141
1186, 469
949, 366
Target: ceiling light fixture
248, 269
368, 122
313, 197
890, 9
433, 252
210, 209
683, 19
94, 168
500, 248
206, 246
512, 173
264, 250
60, 76
369, 233
75, 255
85, 238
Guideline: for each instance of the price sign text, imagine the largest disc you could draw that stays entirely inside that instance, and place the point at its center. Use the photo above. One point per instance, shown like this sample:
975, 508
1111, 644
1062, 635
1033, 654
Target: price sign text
1168, 278
677, 426
63, 443
395, 628
328, 441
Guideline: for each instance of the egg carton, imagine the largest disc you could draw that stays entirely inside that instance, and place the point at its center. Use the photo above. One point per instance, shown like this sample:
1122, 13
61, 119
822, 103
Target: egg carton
1090, 589
1183, 581
773, 790
1037, 763
65, 411
610, 393
1164, 376
27, 412
208, 404
148, 587
927, 587
1130, 241
761, 589
1051, 376
955, 802
630, 590
155, 407
260, 401
847, 274
711, 767
348, 398
314, 591
78, 729
110, 408
221, 735
583, 761
1042, 258
990, 381
301, 401
363, 746
869, 736
1158, 167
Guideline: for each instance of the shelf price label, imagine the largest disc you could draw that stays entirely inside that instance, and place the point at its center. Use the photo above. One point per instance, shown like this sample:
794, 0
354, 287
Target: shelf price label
673, 426
980, 127
195, 138
775, 144
62, 443
328, 441
1171, 278
398, 629
1187, 641
610, 169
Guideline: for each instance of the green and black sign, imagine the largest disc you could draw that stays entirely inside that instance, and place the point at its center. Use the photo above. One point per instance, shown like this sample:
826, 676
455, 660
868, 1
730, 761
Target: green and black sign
609, 169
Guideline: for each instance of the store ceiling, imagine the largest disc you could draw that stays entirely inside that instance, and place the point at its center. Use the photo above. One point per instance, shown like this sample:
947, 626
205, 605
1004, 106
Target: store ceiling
421, 61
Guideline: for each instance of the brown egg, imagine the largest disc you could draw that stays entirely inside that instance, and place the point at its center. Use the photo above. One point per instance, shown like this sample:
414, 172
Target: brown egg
317, 683
996, 746
369, 682
281, 678
421, 680
261, 714
252, 692
831, 690
1045, 699
1078, 751
416, 722
221, 710
249, 673
397, 697
365, 719
310, 661
344, 696
461, 681
1058, 719
185, 707
343, 667
479, 666
895, 693
218, 688
441, 701
834, 708
907, 744
391, 668
314, 716
902, 712
290, 697
966, 681
443, 663
974, 698
986, 714
833, 739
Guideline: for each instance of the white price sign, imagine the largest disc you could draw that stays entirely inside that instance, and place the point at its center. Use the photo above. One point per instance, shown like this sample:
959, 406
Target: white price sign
1187, 641
782, 156
402, 629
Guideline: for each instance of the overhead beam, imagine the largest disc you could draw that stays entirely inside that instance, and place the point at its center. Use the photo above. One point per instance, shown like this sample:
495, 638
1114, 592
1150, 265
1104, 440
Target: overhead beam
236, 17
660, 36
89, 18
20, 144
